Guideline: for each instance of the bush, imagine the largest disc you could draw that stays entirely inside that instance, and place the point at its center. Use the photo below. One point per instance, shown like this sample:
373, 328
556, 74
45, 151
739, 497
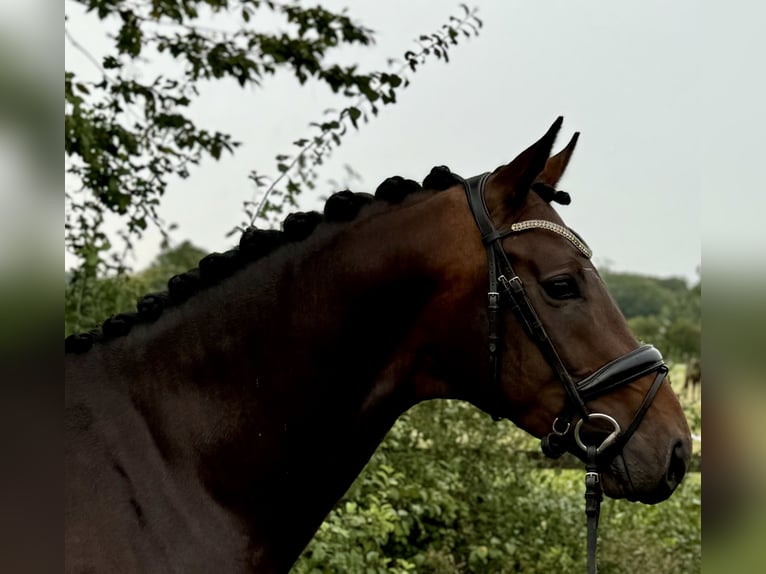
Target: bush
447, 492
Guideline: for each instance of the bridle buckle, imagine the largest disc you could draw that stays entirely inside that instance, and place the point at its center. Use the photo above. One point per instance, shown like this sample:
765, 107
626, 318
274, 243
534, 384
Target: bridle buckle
513, 284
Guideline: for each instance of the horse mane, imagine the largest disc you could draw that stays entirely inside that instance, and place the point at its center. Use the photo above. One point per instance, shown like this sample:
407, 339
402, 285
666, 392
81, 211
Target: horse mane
255, 244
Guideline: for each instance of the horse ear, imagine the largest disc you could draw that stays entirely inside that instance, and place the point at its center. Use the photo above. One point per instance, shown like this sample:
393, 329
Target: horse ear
557, 164
516, 177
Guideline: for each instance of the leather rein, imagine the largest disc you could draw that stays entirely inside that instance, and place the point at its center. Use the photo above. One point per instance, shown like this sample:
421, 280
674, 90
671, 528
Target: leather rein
505, 284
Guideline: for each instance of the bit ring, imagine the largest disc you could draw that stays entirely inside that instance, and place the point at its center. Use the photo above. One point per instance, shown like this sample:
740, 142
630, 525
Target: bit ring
607, 441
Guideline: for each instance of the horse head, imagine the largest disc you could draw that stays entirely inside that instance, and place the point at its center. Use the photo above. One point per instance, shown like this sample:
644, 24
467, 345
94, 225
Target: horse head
562, 363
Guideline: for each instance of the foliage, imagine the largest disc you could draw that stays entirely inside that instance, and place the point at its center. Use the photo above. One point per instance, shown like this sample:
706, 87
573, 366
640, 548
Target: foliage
297, 172
88, 302
638, 295
124, 137
448, 492
664, 312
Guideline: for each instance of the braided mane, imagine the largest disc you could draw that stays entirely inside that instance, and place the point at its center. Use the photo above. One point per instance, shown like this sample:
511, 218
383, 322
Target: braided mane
255, 244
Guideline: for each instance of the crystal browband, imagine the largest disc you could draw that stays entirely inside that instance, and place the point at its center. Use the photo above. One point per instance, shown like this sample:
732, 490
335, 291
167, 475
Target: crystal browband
555, 228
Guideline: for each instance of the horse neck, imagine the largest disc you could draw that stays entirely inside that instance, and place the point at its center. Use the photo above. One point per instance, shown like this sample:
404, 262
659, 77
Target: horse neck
276, 386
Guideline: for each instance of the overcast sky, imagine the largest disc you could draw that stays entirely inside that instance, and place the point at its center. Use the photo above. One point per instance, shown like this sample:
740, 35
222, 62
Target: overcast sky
633, 78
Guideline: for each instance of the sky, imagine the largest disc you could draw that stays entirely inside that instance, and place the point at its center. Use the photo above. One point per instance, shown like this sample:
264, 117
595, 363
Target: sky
632, 77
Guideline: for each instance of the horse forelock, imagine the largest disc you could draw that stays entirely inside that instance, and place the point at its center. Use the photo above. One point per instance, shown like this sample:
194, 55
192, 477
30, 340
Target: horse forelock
254, 245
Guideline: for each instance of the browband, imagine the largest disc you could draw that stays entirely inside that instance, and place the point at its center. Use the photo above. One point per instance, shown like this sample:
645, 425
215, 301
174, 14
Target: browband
488, 232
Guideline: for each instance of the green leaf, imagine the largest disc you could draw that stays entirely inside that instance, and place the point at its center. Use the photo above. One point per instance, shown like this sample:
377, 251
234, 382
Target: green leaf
130, 134
354, 113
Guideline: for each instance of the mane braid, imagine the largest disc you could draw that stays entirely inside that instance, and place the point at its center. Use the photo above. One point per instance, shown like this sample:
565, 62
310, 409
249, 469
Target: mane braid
345, 205
396, 188
118, 325
254, 244
440, 178
218, 266
298, 226
150, 306
549, 193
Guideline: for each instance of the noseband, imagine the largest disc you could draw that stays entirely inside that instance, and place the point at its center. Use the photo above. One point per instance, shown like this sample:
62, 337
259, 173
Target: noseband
617, 373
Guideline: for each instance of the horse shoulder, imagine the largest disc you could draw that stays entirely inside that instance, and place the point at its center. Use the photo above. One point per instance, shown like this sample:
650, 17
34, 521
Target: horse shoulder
128, 508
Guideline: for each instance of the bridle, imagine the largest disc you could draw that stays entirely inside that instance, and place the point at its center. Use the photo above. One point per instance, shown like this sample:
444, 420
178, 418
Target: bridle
621, 371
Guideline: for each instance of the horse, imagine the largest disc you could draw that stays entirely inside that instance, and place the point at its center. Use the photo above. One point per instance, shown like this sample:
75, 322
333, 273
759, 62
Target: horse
213, 429
693, 378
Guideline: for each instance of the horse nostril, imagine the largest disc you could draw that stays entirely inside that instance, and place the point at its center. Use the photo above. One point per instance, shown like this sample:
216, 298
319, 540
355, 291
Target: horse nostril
677, 465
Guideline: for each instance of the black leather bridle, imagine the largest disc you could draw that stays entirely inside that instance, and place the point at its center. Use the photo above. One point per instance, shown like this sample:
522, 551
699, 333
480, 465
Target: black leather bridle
621, 371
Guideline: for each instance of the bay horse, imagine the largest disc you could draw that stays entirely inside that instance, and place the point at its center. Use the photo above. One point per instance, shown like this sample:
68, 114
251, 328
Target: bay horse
693, 377
214, 428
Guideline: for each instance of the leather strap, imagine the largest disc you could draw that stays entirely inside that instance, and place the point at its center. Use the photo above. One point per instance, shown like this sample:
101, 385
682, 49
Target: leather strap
623, 370
593, 498
514, 289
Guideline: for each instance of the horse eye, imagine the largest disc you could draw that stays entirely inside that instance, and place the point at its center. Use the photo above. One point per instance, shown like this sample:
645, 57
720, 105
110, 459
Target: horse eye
561, 288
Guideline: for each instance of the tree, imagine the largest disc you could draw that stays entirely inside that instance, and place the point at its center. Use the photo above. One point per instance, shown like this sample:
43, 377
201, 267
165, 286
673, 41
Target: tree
682, 325
664, 312
638, 295
125, 138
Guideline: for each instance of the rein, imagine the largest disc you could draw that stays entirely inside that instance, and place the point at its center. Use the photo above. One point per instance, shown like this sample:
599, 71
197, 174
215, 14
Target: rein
621, 371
